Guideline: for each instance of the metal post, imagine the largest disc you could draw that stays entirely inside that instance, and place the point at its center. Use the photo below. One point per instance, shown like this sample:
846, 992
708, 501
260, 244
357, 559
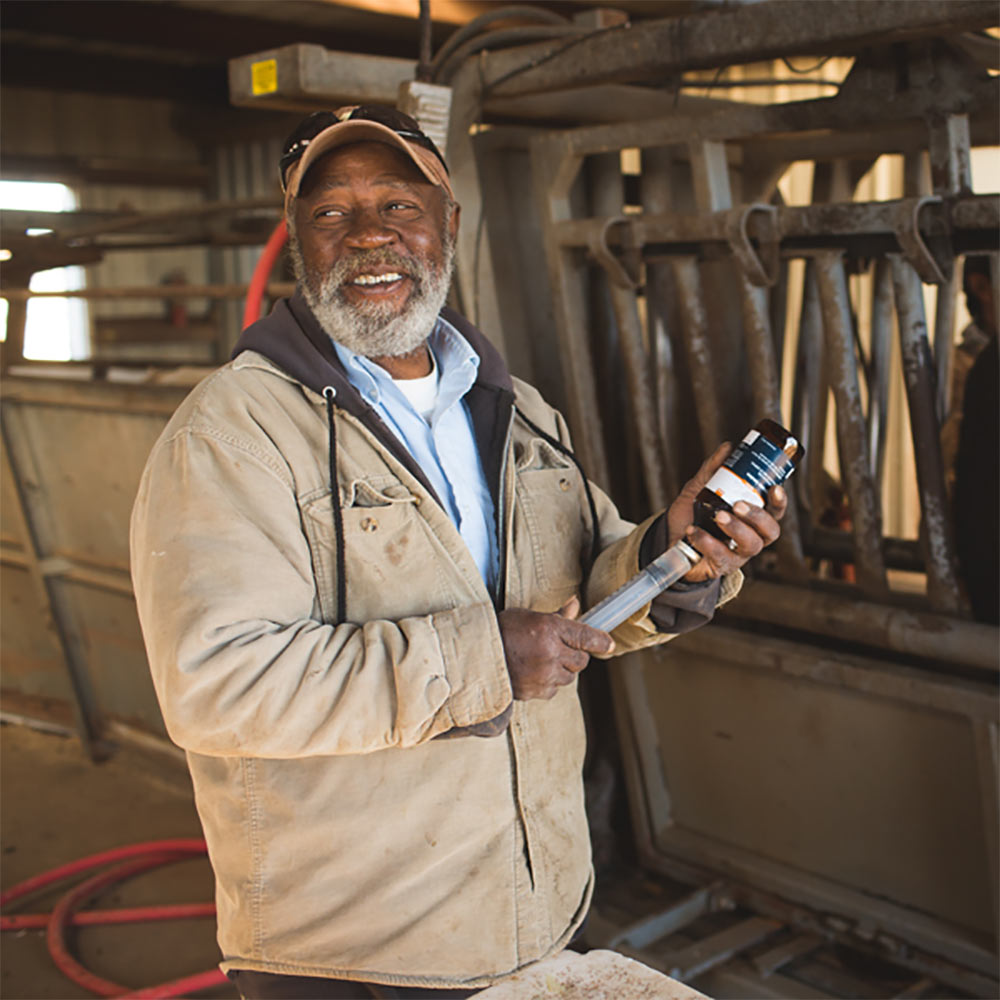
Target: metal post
810, 396
855, 466
878, 380
698, 348
657, 196
609, 197
944, 336
764, 380
554, 171
50, 592
918, 371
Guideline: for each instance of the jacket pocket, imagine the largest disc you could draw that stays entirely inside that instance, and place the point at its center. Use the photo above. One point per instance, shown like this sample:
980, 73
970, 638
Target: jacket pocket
550, 530
390, 568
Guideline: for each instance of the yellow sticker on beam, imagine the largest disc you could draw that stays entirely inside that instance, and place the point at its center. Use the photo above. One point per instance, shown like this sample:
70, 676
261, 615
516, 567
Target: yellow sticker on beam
264, 77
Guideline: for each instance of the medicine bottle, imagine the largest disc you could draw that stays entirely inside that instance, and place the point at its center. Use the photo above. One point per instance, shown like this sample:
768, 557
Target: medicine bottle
764, 458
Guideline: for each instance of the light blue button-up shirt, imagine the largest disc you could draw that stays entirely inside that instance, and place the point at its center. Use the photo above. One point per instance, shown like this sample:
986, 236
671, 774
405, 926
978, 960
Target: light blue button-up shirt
444, 446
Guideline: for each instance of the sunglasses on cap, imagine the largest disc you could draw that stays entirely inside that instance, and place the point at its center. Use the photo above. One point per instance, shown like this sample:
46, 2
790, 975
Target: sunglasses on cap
307, 130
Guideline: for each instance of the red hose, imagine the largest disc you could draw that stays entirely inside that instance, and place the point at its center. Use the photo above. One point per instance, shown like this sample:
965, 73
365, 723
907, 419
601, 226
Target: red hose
138, 858
258, 283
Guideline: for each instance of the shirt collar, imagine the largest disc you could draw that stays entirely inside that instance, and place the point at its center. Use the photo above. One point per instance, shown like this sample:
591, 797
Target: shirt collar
457, 362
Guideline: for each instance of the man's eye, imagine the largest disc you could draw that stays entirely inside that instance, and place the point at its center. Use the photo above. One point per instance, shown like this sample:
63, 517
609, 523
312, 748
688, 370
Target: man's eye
400, 206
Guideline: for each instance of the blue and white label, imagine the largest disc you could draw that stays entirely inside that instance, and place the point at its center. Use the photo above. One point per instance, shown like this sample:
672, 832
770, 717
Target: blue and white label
755, 465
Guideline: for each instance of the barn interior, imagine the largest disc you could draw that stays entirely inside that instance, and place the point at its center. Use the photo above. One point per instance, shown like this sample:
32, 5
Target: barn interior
678, 217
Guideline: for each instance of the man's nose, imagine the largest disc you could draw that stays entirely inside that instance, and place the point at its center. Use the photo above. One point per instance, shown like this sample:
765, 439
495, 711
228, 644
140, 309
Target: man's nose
368, 229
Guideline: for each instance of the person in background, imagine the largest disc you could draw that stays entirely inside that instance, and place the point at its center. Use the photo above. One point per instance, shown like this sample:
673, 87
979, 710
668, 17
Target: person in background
977, 334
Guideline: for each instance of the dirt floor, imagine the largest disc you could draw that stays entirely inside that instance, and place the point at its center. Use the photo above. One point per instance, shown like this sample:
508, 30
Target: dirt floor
56, 807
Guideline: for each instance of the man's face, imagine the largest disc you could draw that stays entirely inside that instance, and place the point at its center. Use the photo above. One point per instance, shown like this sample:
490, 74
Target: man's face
373, 243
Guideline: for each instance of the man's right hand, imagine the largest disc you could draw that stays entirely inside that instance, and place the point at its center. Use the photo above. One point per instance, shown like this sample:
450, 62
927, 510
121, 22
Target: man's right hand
546, 651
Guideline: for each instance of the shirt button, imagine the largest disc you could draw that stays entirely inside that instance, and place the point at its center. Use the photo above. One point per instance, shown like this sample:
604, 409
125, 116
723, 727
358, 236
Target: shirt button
369, 524
564, 485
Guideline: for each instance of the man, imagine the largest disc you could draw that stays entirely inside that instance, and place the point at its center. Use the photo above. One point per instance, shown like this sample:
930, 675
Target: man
358, 550
975, 337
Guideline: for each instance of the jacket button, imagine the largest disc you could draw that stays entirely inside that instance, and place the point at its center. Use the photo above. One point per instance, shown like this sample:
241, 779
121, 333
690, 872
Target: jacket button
564, 485
369, 524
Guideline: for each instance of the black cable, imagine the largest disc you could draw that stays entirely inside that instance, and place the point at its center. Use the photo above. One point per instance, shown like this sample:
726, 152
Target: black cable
531, 64
503, 38
475, 26
338, 515
595, 539
808, 69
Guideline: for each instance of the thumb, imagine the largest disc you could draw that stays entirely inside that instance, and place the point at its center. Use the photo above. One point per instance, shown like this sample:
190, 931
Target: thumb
571, 608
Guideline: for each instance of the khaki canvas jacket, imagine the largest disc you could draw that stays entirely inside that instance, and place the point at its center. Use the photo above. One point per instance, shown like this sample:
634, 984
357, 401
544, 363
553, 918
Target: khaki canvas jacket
346, 839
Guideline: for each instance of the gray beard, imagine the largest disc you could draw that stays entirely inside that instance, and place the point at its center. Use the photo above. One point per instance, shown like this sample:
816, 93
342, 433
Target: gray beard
376, 330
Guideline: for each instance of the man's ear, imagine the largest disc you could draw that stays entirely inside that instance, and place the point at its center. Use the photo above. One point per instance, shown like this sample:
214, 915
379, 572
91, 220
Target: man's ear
453, 222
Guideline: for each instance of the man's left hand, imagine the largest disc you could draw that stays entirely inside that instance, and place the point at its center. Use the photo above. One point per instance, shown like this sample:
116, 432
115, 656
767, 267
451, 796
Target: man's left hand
750, 529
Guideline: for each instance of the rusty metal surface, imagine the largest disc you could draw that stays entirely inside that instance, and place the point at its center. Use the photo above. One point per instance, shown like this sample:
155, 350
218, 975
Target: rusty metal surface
762, 365
879, 366
938, 637
855, 466
67, 532
921, 392
698, 349
745, 34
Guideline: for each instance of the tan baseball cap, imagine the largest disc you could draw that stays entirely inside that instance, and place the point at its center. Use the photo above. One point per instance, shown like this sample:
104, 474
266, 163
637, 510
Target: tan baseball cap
322, 131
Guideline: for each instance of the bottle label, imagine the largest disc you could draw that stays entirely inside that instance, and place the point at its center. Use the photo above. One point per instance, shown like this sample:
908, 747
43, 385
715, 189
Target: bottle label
755, 465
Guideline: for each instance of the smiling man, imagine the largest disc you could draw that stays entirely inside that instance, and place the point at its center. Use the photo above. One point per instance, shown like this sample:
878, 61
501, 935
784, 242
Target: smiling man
358, 552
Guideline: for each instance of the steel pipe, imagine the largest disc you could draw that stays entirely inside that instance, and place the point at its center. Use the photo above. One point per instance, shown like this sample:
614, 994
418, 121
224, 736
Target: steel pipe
698, 349
918, 370
763, 371
855, 466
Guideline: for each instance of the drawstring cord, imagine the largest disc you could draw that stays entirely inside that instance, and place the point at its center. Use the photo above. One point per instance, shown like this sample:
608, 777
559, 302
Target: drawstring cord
338, 515
595, 540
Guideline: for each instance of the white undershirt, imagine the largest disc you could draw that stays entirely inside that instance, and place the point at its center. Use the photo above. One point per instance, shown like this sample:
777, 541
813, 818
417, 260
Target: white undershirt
421, 393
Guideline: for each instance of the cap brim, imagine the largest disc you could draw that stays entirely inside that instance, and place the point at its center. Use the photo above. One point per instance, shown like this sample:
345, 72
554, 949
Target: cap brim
347, 132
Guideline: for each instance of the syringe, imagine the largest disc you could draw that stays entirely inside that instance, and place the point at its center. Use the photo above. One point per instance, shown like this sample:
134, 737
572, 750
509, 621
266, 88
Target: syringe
661, 573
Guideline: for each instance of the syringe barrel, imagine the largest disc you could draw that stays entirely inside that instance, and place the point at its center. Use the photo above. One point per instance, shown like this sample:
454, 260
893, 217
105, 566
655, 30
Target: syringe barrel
660, 574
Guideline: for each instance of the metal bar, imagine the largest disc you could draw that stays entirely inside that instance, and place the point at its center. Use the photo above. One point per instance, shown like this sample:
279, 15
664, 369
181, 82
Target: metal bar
554, 172
739, 979
951, 170
644, 932
846, 671
609, 197
744, 34
944, 336
698, 349
763, 370
712, 951
233, 291
953, 641
800, 226
878, 378
657, 196
855, 466
781, 955
809, 411
918, 370
53, 603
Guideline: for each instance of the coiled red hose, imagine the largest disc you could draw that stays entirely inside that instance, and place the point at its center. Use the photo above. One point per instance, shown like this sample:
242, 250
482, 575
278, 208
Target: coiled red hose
128, 861
258, 283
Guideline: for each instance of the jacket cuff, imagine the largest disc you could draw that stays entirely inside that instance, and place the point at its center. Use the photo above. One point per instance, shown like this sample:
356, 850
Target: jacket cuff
481, 694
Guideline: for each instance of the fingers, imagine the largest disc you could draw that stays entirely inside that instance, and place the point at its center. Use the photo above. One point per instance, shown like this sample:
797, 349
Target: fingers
777, 502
